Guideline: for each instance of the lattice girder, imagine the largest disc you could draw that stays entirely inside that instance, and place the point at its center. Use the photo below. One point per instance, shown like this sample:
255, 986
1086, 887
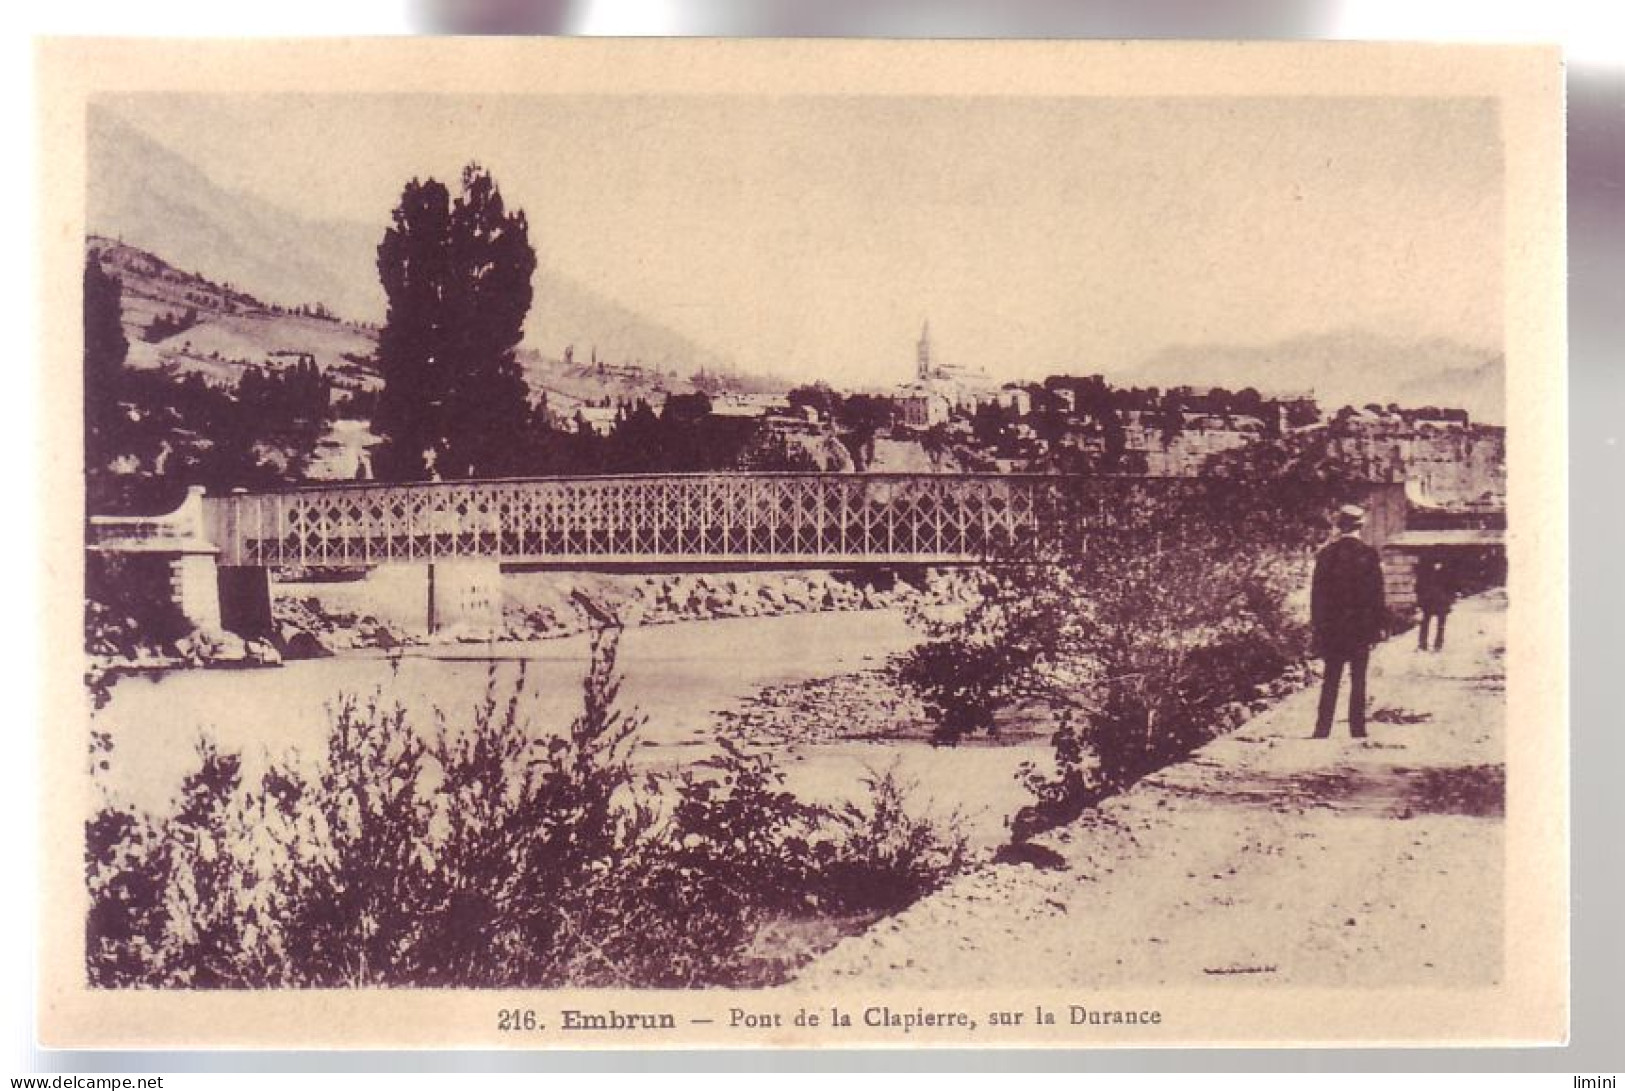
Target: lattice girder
646, 519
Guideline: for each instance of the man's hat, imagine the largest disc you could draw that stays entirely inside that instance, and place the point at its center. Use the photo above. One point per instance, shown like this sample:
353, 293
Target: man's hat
1350, 516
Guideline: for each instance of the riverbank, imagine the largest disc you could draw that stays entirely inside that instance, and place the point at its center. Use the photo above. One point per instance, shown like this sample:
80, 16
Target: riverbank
364, 613
1268, 856
317, 618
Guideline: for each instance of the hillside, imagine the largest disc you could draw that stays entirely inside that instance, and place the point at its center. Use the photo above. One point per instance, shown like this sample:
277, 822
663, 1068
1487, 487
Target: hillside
233, 329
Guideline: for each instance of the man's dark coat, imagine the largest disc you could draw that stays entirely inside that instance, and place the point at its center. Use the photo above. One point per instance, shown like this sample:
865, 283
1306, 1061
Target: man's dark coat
1435, 588
1346, 604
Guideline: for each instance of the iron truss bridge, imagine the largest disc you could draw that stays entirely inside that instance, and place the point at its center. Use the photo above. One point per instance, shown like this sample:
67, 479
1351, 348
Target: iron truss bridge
651, 520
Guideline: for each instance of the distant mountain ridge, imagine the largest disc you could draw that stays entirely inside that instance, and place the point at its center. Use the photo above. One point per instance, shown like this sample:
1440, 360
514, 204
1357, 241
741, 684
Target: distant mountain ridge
153, 198
141, 193
1344, 367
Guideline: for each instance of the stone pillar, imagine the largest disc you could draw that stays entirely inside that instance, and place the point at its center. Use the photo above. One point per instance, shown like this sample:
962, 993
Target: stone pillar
466, 594
397, 594
245, 601
195, 588
1399, 578
426, 597
1387, 512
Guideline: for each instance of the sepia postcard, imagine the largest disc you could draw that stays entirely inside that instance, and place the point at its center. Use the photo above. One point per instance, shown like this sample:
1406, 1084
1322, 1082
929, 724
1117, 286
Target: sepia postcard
786, 544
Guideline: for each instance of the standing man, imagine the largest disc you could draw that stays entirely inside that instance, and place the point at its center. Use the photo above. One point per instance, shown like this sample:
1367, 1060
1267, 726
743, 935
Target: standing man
1348, 615
1435, 593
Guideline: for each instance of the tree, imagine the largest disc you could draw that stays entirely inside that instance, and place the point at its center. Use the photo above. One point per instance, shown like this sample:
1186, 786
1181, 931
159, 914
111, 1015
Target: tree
457, 274
1171, 419
817, 397
1308, 457
105, 350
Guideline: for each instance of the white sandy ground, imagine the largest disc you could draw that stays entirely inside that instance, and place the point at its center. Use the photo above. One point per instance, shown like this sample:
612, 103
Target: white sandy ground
1268, 856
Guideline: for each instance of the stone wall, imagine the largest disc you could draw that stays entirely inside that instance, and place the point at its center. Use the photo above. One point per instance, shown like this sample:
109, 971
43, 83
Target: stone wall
1399, 579
1448, 466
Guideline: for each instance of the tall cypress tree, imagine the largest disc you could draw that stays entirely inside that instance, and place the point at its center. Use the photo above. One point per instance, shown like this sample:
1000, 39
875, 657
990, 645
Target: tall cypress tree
105, 350
457, 274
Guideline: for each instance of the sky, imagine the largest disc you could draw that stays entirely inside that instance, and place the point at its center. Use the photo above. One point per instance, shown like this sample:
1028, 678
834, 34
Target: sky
811, 237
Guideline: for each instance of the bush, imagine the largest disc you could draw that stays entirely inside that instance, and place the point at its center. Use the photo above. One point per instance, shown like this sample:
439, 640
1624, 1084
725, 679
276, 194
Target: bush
129, 603
1139, 624
485, 855
888, 859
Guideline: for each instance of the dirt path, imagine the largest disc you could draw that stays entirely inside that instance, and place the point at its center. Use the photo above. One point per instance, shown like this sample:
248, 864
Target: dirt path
1267, 857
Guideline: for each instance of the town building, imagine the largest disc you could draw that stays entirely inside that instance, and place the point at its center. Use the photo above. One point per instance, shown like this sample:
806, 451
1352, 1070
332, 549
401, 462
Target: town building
940, 389
922, 407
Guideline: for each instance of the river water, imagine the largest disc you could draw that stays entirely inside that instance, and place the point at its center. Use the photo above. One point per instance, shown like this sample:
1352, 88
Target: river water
676, 676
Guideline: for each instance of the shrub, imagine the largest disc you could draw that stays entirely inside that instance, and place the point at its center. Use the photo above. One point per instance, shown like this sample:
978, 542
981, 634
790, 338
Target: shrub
1137, 624
484, 854
888, 859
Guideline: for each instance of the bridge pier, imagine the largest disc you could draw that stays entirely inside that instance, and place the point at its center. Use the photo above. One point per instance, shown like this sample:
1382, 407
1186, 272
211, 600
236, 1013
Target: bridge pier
244, 596
194, 586
159, 570
465, 593
428, 597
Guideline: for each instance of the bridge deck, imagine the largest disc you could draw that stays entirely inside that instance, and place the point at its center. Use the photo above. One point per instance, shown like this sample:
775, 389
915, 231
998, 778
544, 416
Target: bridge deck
704, 519
716, 519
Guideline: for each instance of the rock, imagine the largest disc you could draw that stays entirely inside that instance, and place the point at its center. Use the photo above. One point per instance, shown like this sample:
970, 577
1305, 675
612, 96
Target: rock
299, 644
225, 648
191, 647
1028, 854
263, 652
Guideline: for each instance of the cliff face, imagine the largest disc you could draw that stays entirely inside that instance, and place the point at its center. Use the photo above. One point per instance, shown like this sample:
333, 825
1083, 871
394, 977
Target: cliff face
1446, 464
1448, 467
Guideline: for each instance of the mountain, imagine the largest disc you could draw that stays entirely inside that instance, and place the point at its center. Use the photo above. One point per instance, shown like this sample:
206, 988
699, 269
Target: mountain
565, 314
152, 198
143, 194
1344, 367
1478, 388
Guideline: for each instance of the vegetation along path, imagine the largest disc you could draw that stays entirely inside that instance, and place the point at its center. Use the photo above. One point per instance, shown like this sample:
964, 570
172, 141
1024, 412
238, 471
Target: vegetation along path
1267, 855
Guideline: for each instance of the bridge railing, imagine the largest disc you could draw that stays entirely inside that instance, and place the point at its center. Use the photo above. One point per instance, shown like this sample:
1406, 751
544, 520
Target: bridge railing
638, 519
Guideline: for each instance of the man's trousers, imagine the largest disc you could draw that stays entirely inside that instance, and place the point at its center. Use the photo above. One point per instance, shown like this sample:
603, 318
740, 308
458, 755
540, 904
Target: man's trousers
1357, 661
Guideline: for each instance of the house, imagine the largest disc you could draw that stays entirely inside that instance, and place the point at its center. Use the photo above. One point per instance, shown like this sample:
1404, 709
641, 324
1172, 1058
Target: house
921, 407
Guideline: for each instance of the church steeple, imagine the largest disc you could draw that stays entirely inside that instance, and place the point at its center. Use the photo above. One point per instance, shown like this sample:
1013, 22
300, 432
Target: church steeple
922, 351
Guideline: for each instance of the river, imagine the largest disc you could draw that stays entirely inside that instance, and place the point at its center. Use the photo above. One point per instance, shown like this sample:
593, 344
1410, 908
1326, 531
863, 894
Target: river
676, 676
